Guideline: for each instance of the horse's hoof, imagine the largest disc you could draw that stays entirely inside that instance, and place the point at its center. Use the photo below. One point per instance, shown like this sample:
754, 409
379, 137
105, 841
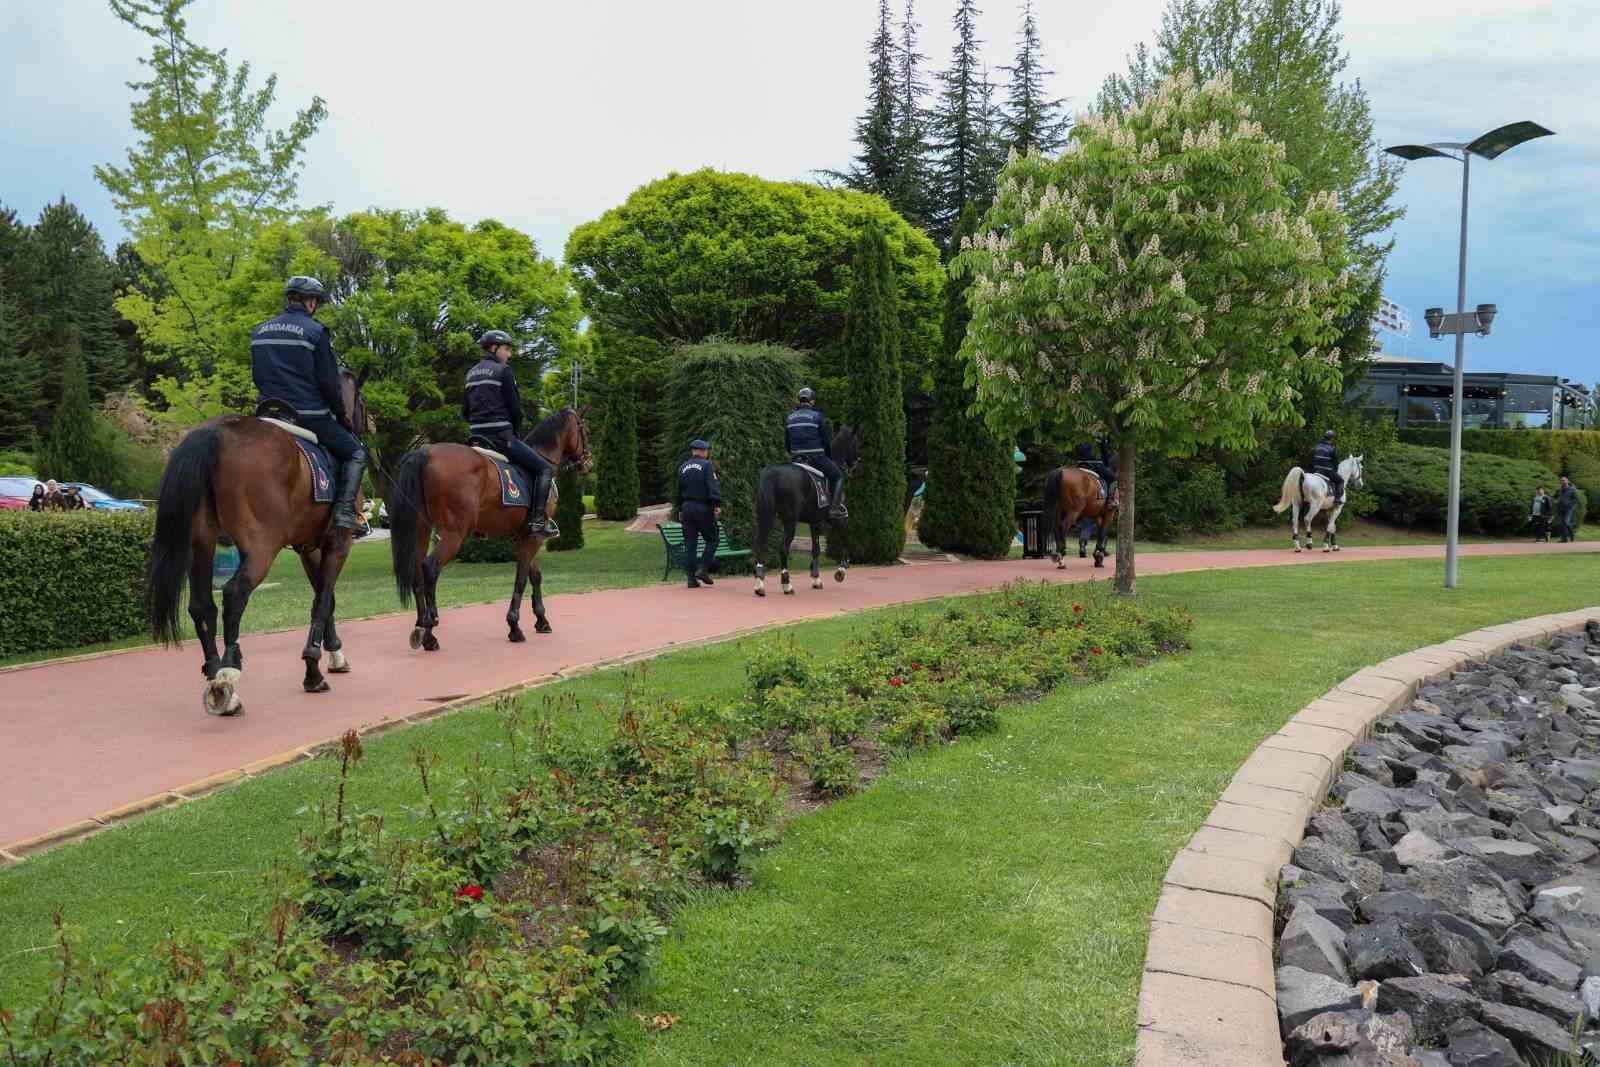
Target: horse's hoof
338, 663
1336, 548
760, 591
838, 575
319, 686
220, 697
416, 638
517, 637
788, 590
816, 583
430, 643
543, 627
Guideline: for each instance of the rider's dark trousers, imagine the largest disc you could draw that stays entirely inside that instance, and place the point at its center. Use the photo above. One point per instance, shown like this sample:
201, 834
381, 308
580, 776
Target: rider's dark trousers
340, 442
827, 466
1335, 483
523, 456
698, 523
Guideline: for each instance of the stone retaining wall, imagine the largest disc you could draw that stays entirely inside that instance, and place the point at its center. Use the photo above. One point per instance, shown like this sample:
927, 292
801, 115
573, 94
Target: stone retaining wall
1208, 997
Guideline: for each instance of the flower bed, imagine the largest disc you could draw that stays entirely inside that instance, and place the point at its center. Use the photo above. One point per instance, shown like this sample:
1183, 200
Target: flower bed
497, 922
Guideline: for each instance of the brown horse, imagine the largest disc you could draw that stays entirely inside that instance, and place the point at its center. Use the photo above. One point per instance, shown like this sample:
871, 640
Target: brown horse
245, 478
454, 491
1071, 494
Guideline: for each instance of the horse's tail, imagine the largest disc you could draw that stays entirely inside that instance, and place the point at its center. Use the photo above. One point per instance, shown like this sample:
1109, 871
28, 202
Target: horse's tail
1291, 490
406, 511
185, 489
766, 510
1052, 502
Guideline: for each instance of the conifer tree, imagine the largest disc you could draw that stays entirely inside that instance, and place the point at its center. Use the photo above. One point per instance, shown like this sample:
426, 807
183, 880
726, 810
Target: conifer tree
970, 501
874, 167
1032, 120
569, 511
956, 134
69, 280
19, 368
76, 448
616, 451
875, 411
911, 192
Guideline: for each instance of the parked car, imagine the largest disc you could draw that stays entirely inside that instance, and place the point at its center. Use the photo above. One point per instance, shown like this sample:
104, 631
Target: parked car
15, 492
101, 500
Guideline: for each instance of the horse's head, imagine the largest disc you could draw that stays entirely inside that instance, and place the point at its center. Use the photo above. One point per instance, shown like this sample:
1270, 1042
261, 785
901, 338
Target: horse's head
563, 437
846, 449
1351, 469
355, 403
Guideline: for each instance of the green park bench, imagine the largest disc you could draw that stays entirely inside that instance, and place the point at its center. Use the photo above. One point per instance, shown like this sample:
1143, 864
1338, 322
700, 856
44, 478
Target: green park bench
672, 538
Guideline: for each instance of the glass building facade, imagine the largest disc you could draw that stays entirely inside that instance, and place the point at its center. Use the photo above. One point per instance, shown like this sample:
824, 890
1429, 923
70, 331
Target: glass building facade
1420, 394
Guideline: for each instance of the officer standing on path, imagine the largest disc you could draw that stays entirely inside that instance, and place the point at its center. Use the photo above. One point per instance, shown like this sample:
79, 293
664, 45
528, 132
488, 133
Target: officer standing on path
493, 410
699, 503
291, 359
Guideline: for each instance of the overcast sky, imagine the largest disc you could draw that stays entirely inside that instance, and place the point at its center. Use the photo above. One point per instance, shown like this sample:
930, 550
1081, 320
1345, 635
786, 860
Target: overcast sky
544, 114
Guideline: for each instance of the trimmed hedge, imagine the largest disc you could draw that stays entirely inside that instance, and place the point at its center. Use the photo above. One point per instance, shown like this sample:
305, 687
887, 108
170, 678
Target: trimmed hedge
72, 578
488, 550
1555, 449
1412, 485
736, 396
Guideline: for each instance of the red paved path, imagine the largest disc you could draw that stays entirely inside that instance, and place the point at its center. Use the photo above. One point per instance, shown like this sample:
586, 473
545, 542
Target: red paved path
81, 738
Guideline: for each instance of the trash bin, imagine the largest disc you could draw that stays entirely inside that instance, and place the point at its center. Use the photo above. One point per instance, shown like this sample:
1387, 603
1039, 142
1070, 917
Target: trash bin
1033, 534
224, 565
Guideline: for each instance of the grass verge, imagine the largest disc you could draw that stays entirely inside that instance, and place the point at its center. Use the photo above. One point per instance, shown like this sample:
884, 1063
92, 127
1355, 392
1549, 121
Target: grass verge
984, 903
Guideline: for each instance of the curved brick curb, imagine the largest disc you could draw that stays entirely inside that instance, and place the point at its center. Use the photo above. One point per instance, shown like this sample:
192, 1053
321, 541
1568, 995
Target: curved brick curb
1208, 995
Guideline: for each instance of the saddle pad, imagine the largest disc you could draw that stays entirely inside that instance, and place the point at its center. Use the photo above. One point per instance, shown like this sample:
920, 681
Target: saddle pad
321, 468
818, 479
491, 453
289, 427
1098, 481
515, 490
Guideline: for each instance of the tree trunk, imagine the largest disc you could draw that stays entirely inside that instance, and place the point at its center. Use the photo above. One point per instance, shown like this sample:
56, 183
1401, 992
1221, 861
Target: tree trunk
1127, 463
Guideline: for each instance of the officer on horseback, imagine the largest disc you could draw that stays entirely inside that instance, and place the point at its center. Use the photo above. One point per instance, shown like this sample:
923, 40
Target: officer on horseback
807, 435
292, 361
1096, 455
493, 410
1325, 461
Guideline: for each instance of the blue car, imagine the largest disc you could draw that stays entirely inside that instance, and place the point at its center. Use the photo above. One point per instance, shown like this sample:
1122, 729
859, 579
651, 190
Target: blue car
101, 500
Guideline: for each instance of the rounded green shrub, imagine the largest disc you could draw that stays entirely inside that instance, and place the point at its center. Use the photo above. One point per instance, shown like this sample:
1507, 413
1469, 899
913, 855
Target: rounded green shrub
1412, 482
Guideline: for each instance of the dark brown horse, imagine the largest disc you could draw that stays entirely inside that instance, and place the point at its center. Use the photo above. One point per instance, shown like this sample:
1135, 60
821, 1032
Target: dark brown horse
1071, 494
454, 491
245, 478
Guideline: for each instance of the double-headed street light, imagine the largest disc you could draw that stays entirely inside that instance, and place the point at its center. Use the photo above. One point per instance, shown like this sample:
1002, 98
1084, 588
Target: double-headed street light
1489, 146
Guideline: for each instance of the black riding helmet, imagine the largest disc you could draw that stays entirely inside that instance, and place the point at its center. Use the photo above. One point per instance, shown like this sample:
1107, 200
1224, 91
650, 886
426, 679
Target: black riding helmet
494, 337
1327, 435
807, 396
303, 285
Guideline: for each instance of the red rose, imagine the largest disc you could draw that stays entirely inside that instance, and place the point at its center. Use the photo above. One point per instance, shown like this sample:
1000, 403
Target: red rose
896, 682
916, 666
1077, 609
470, 892
1094, 652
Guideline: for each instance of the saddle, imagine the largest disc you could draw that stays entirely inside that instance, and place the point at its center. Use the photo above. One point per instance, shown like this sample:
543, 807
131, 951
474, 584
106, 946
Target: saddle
482, 445
1100, 481
281, 415
819, 481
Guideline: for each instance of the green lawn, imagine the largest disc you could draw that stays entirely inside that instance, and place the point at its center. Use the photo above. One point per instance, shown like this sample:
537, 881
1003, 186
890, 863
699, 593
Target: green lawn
985, 903
610, 557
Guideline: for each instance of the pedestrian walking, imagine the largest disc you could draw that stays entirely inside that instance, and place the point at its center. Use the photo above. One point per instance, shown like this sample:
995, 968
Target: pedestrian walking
1542, 507
1566, 510
37, 501
699, 502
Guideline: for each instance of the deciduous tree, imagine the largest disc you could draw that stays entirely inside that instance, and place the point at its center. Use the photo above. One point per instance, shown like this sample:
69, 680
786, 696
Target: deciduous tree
1157, 282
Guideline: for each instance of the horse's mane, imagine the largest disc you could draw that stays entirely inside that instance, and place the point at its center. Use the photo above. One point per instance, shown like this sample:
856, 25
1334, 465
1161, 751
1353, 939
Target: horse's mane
548, 432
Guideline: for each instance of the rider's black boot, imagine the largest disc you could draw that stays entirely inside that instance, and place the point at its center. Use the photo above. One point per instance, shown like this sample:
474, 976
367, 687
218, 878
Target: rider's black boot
836, 509
344, 499
539, 522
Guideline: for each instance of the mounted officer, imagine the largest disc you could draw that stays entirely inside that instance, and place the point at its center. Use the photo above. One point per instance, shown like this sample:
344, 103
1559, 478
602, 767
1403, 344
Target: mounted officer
699, 502
292, 361
493, 410
807, 435
1096, 455
1325, 461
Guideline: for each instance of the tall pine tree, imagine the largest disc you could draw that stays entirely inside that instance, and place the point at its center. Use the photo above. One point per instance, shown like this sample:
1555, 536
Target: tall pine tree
569, 511
19, 366
970, 502
874, 170
911, 193
1032, 120
876, 493
956, 132
69, 279
616, 448
77, 447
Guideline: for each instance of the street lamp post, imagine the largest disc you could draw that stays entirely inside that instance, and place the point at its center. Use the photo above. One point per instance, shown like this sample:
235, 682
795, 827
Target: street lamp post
1489, 146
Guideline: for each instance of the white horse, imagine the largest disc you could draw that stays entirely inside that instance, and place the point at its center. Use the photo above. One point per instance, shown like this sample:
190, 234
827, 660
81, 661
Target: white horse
1312, 490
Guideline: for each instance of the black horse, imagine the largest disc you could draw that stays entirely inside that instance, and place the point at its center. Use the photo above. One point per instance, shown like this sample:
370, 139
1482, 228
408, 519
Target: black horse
786, 492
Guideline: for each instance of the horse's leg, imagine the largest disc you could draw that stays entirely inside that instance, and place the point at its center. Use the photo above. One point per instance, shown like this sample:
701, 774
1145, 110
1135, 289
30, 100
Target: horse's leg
1101, 526
329, 562
816, 557
419, 583
541, 622
514, 611
255, 558
1294, 523
1333, 527
202, 605
783, 554
311, 563
443, 552
763, 533
1072, 514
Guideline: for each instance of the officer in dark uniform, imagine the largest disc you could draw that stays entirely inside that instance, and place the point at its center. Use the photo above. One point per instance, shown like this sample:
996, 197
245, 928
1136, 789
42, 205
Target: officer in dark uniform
699, 502
493, 410
291, 360
1097, 456
809, 439
1325, 461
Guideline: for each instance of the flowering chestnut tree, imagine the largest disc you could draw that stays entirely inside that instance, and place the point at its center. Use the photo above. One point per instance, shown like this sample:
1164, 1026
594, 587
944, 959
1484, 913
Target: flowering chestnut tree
1155, 283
